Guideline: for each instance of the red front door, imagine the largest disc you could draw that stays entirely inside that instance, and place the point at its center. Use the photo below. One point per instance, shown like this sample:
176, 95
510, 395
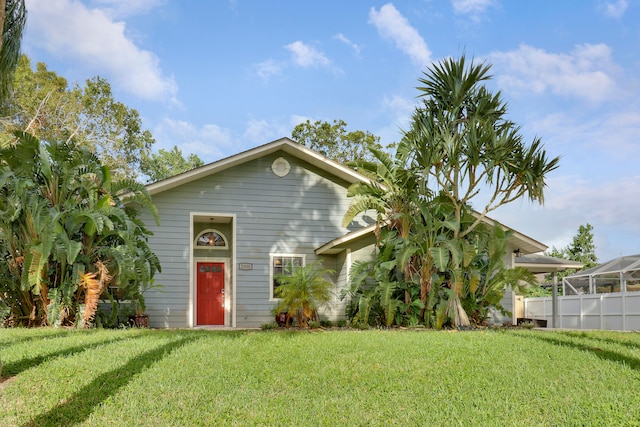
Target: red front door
210, 293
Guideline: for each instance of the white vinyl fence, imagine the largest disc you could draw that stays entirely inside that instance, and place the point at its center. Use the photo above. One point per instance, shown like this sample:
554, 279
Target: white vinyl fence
612, 311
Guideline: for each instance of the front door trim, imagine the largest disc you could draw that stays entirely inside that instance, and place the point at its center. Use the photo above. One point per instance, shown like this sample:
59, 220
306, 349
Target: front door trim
230, 277
227, 287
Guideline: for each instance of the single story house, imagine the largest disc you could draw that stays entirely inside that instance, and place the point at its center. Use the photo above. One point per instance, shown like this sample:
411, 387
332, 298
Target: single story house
228, 227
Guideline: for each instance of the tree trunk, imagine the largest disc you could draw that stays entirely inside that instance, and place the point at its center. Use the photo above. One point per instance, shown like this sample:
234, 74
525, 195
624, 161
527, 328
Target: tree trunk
425, 288
3, 9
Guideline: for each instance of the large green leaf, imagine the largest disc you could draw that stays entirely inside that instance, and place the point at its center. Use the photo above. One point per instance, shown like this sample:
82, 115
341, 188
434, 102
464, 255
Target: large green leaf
387, 301
440, 257
54, 307
364, 307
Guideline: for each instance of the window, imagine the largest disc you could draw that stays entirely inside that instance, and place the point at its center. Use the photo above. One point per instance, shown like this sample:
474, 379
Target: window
212, 239
283, 265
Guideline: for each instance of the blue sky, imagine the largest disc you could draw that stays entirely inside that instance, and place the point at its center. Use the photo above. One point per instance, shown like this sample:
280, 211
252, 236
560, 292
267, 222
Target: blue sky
218, 77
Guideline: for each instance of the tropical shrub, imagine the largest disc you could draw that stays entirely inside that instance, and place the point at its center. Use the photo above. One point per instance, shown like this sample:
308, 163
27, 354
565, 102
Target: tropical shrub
438, 261
67, 238
303, 292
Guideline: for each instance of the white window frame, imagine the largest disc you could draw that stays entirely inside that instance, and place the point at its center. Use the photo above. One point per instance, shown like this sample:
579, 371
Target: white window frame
211, 230
271, 273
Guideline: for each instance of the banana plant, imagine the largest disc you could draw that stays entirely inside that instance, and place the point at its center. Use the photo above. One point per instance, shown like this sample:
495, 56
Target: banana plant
66, 233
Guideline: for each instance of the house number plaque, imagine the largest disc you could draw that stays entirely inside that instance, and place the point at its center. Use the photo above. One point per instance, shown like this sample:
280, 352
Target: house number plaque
245, 266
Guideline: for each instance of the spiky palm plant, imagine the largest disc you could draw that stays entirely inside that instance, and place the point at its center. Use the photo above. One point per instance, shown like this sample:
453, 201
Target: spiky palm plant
304, 292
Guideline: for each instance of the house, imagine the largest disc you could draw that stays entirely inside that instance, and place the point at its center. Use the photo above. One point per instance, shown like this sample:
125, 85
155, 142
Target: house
228, 227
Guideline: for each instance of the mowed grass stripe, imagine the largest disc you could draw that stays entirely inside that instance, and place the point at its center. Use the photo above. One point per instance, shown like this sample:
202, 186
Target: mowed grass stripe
166, 378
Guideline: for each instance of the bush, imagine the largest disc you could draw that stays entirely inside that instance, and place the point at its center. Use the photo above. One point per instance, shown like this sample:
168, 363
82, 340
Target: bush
269, 326
527, 325
314, 324
303, 292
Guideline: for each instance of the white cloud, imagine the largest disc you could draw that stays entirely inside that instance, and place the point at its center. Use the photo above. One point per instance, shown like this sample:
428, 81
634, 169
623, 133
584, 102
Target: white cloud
616, 9
259, 131
268, 68
402, 108
349, 43
612, 202
210, 142
306, 56
392, 25
126, 8
570, 201
468, 7
301, 55
297, 119
93, 40
587, 72
614, 135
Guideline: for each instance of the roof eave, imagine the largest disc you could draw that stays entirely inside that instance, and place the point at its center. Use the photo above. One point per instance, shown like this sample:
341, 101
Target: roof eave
337, 245
526, 244
283, 144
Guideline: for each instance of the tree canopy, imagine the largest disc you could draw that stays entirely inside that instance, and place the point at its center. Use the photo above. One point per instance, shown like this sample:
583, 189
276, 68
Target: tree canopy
167, 163
581, 249
333, 140
44, 105
438, 262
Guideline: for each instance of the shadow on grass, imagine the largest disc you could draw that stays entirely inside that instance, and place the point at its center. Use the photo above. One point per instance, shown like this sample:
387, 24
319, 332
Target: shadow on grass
31, 337
80, 405
604, 354
15, 368
625, 343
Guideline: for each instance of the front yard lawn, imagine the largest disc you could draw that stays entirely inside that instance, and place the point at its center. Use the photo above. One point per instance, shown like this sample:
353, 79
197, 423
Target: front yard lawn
216, 378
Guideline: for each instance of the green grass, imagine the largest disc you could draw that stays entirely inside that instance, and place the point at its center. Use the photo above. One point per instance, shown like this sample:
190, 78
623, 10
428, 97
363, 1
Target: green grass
184, 378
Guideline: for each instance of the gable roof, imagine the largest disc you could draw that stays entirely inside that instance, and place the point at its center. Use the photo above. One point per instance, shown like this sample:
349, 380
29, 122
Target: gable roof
526, 244
283, 144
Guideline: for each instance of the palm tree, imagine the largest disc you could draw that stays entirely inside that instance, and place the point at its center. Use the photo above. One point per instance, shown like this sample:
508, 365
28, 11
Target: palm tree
460, 143
303, 292
388, 193
393, 193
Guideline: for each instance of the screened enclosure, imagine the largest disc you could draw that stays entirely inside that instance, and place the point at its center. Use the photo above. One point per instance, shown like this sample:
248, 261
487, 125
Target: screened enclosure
618, 275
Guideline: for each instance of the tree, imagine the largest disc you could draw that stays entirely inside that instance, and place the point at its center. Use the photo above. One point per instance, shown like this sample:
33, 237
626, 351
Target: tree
333, 140
165, 164
303, 292
459, 144
13, 16
46, 107
66, 236
581, 249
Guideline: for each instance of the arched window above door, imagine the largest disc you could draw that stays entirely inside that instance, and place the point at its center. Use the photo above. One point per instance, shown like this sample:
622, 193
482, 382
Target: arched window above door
212, 239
